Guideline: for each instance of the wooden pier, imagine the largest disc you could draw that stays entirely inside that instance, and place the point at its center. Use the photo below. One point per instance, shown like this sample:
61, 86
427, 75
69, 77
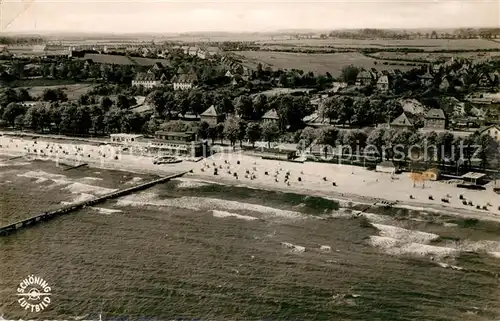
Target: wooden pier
75, 167
8, 229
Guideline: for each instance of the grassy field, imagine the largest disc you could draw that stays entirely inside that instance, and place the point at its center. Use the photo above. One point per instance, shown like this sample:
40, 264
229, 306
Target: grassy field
124, 60
437, 56
426, 44
73, 91
317, 63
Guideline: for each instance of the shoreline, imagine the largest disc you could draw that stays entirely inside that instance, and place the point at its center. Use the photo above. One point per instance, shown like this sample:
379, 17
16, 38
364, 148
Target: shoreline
376, 186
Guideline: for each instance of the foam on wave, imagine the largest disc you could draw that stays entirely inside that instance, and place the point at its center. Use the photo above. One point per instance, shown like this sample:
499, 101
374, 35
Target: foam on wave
201, 204
223, 214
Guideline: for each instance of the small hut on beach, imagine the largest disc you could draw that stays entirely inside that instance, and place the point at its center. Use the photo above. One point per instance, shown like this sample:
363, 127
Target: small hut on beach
386, 167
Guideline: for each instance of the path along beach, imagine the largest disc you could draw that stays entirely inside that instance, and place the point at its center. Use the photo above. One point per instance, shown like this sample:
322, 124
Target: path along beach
352, 184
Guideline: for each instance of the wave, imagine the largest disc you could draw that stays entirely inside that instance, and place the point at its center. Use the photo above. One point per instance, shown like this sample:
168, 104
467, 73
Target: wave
82, 197
191, 183
134, 181
397, 247
293, 247
106, 211
86, 188
42, 176
223, 214
398, 241
201, 204
405, 235
480, 246
89, 178
6, 164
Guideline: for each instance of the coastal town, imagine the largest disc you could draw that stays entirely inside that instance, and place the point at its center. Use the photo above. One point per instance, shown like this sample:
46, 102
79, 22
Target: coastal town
232, 160
175, 103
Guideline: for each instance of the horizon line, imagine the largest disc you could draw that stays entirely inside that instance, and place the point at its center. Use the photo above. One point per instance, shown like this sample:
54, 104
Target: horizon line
284, 30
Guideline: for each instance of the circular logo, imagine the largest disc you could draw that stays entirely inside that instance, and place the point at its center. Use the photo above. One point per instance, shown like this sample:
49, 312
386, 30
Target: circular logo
34, 294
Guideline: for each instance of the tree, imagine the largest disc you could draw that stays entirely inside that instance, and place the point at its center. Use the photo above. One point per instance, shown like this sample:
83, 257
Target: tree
212, 133
220, 132
330, 108
401, 140
308, 135
242, 129
346, 110
12, 111
488, 148
53, 95
231, 129
203, 130
151, 126
270, 132
243, 106
106, 103
69, 121
122, 102
259, 106
196, 105
225, 105
444, 143
253, 133
113, 120
349, 74
376, 140
363, 113
8, 96
37, 117
23, 95
291, 110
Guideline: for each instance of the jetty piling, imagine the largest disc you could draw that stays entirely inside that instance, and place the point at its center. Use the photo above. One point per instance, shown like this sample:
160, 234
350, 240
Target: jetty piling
75, 167
8, 229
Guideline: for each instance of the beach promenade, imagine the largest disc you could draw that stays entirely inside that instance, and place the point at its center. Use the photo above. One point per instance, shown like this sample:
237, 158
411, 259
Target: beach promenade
337, 181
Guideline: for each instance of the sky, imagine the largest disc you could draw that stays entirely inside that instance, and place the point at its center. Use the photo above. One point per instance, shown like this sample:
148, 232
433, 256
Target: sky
138, 16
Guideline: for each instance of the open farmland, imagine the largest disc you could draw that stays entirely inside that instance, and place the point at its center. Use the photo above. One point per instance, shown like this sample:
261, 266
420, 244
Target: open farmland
317, 63
72, 91
123, 60
432, 56
425, 44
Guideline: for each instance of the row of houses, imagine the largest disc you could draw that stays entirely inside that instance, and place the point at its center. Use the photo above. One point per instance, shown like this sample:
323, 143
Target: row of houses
181, 81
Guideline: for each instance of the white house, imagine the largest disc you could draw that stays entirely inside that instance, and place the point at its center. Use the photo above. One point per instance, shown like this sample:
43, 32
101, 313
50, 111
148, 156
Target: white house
184, 81
146, 79
493, 131
426, 79
383, 83
124, 138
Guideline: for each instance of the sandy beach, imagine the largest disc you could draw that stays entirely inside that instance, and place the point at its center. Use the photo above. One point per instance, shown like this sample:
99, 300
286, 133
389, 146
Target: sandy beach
352, 184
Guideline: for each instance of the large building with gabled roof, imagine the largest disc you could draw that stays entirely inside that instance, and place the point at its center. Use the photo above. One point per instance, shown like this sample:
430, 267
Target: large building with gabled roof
402, 122
211, 116
271, 115
184, 81
435, 118
146, 79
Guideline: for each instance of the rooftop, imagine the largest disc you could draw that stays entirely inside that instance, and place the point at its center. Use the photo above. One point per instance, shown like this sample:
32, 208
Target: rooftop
365, 74
435, 114
271, 114
183, 134
211, 111
145, 76
402, 120
386, 164
125, 135
383, 80
473, 175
